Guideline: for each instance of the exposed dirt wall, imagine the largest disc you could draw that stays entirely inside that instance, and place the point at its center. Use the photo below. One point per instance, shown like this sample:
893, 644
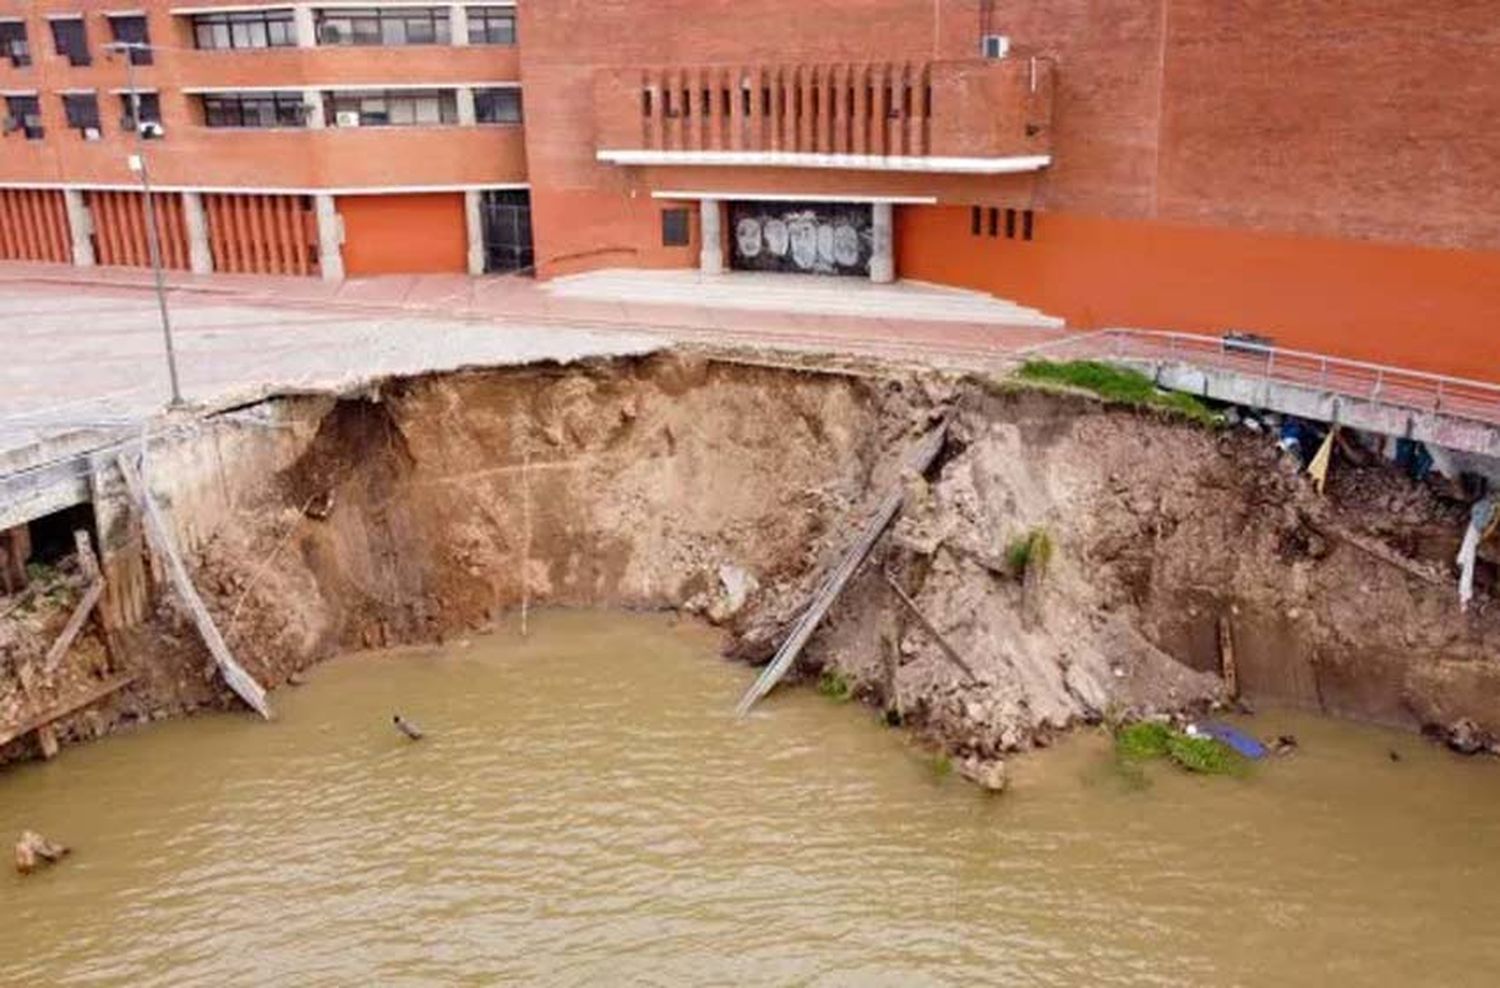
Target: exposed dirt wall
444, 504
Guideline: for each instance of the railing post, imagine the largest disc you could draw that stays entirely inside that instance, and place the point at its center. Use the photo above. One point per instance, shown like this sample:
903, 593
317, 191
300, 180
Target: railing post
1379, 383
1438, 405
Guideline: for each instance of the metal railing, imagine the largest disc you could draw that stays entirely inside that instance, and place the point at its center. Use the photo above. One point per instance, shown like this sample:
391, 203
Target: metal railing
1357, 379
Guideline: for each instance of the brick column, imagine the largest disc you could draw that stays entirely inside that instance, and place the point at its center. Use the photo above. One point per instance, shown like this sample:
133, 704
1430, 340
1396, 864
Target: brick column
711, 228
883, 259
80, 227
474, 223
200, 257
330, 238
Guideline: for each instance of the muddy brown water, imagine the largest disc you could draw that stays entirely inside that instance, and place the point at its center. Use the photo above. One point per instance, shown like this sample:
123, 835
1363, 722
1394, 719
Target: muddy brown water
586, 811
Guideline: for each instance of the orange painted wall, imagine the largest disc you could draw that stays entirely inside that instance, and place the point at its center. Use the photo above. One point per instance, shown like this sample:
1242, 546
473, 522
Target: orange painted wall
404, 234
1428, 308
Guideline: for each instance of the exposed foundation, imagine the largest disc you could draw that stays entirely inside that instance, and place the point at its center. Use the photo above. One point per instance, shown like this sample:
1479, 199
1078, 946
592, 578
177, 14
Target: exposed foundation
439, 505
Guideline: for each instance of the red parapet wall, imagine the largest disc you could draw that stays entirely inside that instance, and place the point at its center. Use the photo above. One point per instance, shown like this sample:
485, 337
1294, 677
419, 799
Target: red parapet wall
1426, 308
984, 109
33, 226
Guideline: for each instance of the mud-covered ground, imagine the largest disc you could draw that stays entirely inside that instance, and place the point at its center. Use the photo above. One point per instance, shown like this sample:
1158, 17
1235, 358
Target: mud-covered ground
728, 490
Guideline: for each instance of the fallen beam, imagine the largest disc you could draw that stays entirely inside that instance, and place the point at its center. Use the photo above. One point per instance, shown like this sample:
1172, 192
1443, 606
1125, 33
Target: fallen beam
920, 458
161, 541
73, 627
1386, 555
949, 652
77, 703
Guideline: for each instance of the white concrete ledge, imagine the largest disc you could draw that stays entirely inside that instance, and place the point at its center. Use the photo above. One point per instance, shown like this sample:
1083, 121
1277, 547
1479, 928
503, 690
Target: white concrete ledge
853, 162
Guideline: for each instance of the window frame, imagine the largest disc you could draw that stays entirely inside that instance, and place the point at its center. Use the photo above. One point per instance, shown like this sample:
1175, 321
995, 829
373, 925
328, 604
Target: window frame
150, 110
494, 97
391, 107
81, 111
138, 56
671, 216
15, 39
371, 27
33, 132
233, 25
485, 24
78, 58
226, 110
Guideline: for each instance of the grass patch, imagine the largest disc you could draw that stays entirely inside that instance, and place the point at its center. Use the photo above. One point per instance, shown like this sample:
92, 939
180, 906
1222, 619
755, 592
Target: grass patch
1032, 550
1116, 384
835, 685
942, 765
1148, 740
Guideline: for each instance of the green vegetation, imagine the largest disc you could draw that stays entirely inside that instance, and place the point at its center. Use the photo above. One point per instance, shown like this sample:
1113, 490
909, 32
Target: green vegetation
942, 765
1148, 740
835, 685
1030, 551
1116, 384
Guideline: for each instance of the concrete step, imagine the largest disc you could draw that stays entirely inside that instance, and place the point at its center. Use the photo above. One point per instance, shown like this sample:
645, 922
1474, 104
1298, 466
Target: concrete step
798, 293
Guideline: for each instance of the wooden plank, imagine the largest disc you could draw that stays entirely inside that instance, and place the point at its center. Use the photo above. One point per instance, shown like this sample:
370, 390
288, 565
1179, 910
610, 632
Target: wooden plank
949, 652
161, 541
1384, 554
921, 457
77, 703
1227, 665
73, 627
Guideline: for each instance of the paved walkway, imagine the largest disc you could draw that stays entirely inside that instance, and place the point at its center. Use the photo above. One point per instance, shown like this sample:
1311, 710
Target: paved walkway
84, 348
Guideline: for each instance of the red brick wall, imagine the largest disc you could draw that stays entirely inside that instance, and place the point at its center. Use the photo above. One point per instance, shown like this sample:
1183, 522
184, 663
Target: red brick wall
1422, 307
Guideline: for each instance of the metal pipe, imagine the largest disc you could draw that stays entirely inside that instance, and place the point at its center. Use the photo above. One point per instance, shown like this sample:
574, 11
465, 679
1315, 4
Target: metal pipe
153, 244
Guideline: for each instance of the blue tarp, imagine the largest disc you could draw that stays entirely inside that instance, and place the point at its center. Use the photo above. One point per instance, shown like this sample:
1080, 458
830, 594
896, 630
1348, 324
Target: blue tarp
1235, 738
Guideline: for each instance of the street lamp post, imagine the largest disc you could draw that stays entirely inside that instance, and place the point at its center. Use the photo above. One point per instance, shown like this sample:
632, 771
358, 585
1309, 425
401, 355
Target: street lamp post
153, 244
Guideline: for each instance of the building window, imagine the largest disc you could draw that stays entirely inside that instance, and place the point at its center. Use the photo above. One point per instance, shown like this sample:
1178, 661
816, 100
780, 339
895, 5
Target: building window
994, 221
71, 40
976, 221
131, 29
150, 110
24, 113
1028, 224
674, 227
82, 111
383, 26
13, 43
1010, 224
271, 109
497, 106
252, 29
492, 26
392, 108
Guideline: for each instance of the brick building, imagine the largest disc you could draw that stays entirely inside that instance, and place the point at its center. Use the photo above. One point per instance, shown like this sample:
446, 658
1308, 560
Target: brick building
1319, 173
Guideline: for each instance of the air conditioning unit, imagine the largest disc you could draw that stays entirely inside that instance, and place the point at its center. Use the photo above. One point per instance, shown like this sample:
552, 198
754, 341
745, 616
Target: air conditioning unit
91, 133
346, 118
152, 130
995, 46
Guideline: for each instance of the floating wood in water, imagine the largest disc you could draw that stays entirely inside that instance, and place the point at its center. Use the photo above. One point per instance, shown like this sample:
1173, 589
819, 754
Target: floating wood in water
72, 706
161, 541
949, 652
920, 458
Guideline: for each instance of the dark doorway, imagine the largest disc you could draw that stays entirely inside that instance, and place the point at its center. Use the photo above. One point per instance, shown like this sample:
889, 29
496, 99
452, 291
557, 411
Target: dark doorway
801, 237
507, 231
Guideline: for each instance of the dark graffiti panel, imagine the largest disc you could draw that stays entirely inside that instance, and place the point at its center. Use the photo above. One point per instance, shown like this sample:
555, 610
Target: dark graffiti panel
801, 237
